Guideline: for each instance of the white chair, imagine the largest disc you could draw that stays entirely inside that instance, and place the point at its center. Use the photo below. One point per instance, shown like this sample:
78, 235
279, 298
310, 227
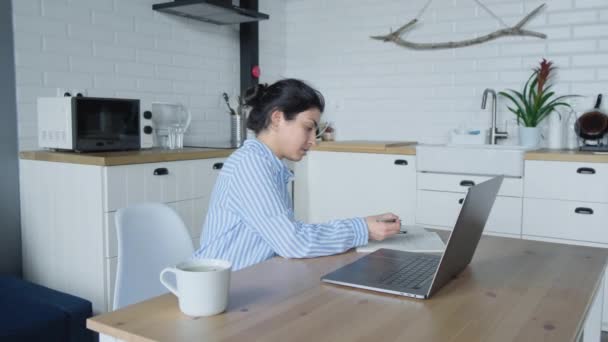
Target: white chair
151, 236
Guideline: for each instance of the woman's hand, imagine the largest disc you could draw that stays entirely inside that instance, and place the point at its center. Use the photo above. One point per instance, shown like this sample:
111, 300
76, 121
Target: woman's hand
382, 226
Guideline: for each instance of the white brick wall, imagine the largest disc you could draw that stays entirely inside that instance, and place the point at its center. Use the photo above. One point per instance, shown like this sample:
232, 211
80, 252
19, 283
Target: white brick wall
273, 41
374, 90
123, 48
378, 90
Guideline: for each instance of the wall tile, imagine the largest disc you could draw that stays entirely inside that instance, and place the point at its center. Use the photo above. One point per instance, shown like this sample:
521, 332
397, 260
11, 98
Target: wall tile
360, 79
124, 48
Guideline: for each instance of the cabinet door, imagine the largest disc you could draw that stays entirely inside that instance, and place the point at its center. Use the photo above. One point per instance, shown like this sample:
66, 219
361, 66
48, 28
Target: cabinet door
62, 230
441, 209
344, 185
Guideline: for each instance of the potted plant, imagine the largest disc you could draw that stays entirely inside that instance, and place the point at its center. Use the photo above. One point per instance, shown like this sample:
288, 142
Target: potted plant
535, 103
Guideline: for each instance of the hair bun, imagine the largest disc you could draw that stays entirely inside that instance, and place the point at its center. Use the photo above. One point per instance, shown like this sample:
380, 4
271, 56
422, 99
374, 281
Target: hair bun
254, 94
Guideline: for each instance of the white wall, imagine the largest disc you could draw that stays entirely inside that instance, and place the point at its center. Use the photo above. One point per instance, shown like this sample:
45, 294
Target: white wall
273, 41
374, 90
378, 90
123, 48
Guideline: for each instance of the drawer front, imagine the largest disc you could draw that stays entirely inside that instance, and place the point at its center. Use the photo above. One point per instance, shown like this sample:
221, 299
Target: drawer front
586, 182
461, 183
580, 221
442, 208
159, 182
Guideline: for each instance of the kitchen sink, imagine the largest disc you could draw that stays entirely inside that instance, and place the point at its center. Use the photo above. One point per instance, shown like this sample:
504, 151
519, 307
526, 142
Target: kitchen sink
505, 160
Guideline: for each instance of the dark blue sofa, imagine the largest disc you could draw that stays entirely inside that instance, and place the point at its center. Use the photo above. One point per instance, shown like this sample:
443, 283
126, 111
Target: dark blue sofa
30, 312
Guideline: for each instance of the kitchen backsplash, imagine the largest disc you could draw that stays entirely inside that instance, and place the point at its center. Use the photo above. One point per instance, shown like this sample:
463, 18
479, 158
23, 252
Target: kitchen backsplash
125, 49
374, 90
380, 90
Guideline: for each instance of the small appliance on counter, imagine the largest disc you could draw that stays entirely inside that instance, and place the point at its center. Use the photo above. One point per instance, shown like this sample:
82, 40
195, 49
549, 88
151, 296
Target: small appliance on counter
92, 124
171, 120
591, 127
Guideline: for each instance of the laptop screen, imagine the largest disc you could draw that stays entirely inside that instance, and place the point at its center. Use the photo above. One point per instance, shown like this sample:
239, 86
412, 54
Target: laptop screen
467, 231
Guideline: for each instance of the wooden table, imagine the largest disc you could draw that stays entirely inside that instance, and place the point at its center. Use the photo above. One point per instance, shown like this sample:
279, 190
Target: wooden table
513, 290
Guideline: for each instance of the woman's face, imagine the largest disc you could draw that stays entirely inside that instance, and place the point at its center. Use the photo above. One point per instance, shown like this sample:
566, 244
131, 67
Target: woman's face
295, 137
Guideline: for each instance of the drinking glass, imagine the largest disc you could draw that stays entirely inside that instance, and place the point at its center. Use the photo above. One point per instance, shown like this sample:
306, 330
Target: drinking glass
176, 137
171, 122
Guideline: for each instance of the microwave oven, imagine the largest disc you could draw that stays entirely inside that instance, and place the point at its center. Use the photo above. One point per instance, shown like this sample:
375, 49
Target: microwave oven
89, 124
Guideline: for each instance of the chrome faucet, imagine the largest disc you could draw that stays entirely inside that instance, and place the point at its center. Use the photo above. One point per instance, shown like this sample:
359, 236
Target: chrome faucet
494, 133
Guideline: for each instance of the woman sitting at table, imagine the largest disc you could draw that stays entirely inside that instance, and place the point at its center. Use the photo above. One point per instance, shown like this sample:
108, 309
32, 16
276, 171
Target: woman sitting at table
250, 217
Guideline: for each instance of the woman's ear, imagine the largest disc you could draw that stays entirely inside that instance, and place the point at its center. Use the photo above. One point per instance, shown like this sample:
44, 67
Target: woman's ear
275, 118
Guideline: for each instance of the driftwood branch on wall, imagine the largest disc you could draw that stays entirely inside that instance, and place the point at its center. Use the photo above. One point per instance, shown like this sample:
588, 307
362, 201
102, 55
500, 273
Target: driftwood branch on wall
516, 30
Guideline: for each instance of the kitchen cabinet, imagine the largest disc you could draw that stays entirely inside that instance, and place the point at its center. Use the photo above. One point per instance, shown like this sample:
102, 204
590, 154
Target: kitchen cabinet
68, 233
571, 196
334, 185
567, 202
440, 197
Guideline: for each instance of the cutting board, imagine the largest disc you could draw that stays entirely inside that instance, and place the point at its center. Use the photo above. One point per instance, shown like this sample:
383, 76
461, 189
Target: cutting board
365, 144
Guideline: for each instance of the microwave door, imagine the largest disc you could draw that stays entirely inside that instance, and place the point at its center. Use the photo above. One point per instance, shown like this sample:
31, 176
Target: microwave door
108, 124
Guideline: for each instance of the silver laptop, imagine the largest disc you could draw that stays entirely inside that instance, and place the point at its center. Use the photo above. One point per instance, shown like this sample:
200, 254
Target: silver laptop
421, 275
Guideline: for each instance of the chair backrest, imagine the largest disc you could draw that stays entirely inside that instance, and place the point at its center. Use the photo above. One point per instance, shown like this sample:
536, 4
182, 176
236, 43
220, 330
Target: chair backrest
151, 236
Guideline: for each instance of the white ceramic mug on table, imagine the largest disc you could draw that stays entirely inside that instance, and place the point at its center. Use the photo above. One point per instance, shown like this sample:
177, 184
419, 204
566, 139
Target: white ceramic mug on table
202, 286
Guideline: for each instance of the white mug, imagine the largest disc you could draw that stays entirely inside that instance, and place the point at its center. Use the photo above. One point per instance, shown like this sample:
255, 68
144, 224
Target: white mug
202, 286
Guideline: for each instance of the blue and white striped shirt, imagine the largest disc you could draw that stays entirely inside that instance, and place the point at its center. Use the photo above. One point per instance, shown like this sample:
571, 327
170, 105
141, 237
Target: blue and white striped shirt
250, 217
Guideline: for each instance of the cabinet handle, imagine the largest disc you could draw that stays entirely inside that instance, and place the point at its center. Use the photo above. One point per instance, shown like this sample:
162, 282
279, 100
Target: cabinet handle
585, 171
583, 210
460, 201
400, 162
467, 183
161, 171
218, 166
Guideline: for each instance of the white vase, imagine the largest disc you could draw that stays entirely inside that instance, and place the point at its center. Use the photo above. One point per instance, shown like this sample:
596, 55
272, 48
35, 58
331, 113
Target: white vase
529, 136
555, 129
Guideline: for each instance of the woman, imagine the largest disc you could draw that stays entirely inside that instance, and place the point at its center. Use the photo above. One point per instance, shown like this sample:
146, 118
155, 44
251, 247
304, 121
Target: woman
250, 217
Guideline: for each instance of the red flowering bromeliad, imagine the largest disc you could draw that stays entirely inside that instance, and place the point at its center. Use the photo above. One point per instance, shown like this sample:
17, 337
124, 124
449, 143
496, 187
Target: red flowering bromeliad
535, 103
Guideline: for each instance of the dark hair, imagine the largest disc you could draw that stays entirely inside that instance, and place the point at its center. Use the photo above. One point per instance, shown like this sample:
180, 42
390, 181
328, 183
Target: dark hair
290, 96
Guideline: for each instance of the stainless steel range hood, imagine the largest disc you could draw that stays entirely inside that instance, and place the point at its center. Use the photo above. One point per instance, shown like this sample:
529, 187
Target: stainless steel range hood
214, 11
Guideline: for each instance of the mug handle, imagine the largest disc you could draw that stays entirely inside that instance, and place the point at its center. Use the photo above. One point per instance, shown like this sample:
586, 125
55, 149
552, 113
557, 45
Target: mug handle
164, 281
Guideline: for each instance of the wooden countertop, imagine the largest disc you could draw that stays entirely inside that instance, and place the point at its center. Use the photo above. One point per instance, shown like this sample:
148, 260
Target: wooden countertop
567, 156
354, 146
126, 157
368, 146
513, 290
409, 148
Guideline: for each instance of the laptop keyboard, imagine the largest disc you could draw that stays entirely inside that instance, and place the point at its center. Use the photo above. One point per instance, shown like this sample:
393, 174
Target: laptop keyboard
413, 274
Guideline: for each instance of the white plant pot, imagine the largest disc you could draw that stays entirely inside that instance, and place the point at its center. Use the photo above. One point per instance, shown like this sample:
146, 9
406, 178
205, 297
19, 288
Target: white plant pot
529, 136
